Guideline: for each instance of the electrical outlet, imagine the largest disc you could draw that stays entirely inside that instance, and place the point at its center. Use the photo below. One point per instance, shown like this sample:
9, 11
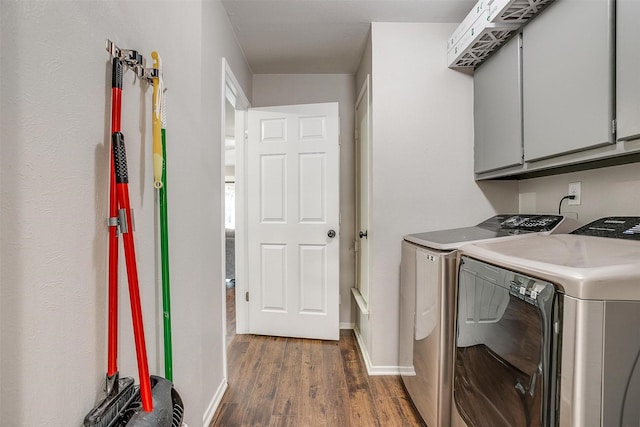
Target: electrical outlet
575, 189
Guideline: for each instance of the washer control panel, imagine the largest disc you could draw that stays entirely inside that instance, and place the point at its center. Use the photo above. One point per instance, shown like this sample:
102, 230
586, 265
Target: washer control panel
616, 227
524, 223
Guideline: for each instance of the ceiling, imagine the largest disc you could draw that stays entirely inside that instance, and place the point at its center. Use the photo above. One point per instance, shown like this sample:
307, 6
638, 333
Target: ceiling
323, 36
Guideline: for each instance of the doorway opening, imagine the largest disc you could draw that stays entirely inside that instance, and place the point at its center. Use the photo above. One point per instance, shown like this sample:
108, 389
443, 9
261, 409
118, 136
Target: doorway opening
230, 218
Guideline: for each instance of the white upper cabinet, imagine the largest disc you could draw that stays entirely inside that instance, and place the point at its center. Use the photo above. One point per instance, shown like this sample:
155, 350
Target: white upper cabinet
497, 109
568, 78
628, 69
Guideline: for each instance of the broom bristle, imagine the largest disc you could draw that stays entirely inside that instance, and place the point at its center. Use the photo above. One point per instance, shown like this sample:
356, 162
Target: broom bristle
108, 409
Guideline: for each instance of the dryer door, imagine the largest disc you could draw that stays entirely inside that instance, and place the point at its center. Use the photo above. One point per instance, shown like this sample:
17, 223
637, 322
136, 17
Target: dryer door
504, 345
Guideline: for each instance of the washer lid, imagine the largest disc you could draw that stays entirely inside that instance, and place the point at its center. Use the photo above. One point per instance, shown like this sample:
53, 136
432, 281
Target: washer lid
585, 267
498, 226
454, 238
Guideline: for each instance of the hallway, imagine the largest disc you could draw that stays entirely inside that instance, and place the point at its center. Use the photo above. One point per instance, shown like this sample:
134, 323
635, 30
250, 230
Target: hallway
275, 381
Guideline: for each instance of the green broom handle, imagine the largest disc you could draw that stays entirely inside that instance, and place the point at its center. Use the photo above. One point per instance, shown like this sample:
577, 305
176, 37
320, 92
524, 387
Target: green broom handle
164, 249
160, 182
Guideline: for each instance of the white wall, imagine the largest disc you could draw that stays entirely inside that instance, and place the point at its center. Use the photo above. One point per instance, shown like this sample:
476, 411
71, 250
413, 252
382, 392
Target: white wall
612, 191
285, 89
218, 41
54, 132
422, 162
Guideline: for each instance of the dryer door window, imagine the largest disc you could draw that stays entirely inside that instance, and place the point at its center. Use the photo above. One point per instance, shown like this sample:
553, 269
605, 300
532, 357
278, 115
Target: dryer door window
503, 347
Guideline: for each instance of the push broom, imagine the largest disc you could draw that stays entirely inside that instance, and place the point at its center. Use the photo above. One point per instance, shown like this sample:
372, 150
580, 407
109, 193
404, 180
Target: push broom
117, 391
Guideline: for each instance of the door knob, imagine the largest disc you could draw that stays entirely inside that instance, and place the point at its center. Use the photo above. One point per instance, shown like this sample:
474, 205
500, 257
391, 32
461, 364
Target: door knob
363, 234
331, 234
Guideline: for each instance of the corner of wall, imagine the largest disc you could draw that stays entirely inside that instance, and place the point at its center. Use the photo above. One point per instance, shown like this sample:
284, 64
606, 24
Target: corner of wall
210, 412
371, 368
365, 66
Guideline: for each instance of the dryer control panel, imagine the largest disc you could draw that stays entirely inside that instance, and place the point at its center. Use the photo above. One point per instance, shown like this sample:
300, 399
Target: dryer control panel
616, 227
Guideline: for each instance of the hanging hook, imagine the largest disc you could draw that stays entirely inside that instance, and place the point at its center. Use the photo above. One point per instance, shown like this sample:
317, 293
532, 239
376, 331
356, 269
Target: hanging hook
131, 58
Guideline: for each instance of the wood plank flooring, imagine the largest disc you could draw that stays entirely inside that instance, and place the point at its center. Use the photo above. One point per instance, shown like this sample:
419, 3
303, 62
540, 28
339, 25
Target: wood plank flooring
231, 314
292, 382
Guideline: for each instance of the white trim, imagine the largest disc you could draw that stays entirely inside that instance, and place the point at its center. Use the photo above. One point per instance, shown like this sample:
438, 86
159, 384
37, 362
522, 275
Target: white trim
241, 265
362, 304
362, 348
230, 90
347, 325
223, 252
383, 370
208, 415
365, 88
407, 371
242, 102
363, 96
371, 369
241, 106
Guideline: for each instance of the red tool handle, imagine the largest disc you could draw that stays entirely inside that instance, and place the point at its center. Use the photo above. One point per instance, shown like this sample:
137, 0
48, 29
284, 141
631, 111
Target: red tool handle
116, 104
122, 187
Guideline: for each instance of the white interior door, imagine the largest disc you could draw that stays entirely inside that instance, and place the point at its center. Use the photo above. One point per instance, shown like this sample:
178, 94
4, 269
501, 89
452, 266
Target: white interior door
362, 195
293, 220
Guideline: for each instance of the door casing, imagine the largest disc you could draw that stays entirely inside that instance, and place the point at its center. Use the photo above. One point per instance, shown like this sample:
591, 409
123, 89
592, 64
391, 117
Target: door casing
362, 292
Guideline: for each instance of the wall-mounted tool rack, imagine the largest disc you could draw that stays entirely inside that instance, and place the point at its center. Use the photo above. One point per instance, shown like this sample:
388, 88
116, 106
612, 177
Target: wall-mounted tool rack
132, 59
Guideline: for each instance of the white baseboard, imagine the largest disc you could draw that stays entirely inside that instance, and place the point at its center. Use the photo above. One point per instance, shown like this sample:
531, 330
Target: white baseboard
346, 325
407, 371
371, 369
207, 418
383, 370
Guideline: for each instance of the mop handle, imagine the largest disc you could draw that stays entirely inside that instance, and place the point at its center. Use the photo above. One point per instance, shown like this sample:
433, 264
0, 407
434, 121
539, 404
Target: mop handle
126, 225
156, 124
116, 104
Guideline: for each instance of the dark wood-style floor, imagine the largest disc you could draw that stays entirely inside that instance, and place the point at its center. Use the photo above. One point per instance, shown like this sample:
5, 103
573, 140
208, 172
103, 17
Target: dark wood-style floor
275, 381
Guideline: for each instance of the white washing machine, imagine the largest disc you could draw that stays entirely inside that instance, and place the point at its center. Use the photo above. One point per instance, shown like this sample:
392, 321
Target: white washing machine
548, 329
427, 304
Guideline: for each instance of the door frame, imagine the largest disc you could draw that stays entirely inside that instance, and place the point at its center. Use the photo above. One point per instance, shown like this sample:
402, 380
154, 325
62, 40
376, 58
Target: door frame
364, 96
232, 91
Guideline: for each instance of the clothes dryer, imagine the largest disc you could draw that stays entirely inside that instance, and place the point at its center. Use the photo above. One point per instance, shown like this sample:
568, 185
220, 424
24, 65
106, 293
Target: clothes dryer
547, 329
427, 304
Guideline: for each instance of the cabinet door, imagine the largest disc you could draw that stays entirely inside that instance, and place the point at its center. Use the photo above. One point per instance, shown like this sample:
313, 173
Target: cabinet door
568, 78
497, 109
628, 64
